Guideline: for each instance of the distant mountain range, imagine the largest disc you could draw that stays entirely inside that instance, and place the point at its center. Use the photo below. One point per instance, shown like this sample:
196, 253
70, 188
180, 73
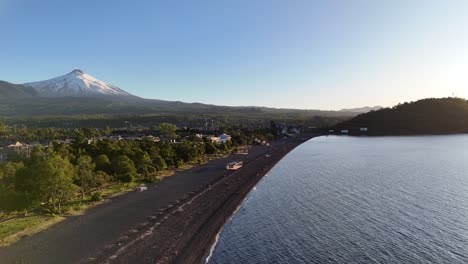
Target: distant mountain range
426, 116
362, 109
12, 91
78, 93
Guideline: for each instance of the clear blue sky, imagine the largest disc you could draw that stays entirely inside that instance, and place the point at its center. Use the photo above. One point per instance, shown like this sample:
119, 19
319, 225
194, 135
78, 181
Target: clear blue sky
328, 54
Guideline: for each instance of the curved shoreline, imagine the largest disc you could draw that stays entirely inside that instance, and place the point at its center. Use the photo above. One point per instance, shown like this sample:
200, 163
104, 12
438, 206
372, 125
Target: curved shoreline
175, 221
185, 232
255, 182
196, 251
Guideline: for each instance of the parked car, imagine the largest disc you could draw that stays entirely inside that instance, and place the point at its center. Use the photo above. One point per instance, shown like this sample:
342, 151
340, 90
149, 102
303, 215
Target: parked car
141, 188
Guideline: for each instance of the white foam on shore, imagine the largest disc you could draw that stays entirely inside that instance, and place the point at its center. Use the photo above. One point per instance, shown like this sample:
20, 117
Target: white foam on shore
215, 243
235, 211
213, 247
239, 207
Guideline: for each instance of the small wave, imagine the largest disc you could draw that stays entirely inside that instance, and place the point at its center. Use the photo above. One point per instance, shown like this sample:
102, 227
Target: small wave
213, 247
235, 211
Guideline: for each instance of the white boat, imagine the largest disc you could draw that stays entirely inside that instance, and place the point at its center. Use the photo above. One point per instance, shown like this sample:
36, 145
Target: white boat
235, 165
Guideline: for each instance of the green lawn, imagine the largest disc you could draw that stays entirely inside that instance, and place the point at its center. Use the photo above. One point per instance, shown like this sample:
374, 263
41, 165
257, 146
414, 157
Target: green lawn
13, 229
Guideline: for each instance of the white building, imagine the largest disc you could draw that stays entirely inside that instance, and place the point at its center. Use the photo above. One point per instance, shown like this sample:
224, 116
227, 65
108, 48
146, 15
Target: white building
16, 145
223, 138
213, 139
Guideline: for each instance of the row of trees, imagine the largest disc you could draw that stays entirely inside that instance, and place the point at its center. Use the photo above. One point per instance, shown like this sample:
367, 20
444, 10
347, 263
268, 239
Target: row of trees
52, 176
24, 133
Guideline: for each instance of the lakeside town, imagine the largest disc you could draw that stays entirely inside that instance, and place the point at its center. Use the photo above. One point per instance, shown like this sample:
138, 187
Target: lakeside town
23, 145
85, 166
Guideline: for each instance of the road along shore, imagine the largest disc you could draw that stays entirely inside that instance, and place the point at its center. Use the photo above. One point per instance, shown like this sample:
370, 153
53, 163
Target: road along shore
184, 232
175, 221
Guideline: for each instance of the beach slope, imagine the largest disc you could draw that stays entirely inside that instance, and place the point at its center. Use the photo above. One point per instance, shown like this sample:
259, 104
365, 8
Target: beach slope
175, 221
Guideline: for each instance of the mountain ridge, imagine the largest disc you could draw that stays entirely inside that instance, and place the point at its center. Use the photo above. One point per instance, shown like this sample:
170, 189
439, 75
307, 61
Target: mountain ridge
78, 93
11, 90
364, 109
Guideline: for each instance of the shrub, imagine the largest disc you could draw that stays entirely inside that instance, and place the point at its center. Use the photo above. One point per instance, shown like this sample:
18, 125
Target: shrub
96, 197
179, 163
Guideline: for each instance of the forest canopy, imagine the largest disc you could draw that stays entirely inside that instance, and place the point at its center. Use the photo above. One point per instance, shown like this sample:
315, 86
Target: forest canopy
427, 116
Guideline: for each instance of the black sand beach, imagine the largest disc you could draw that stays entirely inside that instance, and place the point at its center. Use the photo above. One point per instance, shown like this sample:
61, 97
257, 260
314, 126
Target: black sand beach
175, 221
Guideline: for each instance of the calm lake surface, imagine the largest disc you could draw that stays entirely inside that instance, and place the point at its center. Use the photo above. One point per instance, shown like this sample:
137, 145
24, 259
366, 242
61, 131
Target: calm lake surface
357, 200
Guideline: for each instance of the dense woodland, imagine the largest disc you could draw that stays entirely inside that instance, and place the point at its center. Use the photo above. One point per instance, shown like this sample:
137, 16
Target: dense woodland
427, 116
59, 173
190, 120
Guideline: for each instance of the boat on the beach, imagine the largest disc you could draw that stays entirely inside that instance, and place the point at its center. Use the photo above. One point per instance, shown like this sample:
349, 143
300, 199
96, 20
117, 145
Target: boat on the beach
235, 165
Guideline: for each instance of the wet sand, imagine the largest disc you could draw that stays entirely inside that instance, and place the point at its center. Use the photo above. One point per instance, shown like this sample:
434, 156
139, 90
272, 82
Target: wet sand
175, 221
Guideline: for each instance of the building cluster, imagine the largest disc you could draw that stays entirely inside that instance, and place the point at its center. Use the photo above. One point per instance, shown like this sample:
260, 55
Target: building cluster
288, 130
18, 148
353, 131
223, 138
25, 149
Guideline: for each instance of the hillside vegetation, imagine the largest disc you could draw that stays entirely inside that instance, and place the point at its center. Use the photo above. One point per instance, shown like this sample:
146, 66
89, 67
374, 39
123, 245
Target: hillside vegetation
427, 116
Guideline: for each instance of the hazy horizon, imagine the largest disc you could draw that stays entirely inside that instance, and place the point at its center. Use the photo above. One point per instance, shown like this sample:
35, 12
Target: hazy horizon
326, 55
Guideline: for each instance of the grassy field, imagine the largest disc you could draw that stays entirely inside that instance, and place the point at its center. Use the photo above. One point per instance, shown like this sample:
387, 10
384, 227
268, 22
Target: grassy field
13, 229
19, 226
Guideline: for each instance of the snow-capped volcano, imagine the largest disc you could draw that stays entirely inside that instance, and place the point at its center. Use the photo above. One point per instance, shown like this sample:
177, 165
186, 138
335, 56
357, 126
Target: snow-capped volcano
76, 83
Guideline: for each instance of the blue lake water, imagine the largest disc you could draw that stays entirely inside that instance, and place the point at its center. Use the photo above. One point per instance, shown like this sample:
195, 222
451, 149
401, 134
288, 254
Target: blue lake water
357, 200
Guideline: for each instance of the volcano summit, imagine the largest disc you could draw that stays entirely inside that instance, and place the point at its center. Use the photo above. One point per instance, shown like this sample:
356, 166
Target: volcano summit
77, 84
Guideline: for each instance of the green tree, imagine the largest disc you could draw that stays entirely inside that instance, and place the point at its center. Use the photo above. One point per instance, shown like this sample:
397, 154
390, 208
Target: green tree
103, 163
167, 153
124, 169
55, 177
186, 151
210, 148
26, 192
11, 201
85, 174
8, 173
142, 160
101, 179
168, 130
108, 147
63, 150
159, 163
178, 163
47, 180
222, 147
37, 154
